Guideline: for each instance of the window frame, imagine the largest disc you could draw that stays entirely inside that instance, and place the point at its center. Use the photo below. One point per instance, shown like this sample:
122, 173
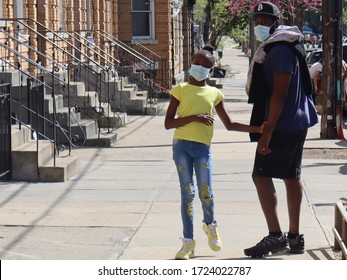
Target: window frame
18, 7
151, 36
2, 22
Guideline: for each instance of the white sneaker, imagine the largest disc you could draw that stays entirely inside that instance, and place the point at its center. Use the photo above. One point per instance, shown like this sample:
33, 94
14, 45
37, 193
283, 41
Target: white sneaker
214, 240
187, 250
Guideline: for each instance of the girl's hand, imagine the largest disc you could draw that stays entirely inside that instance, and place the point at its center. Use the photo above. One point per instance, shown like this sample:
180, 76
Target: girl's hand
205, 119
261, 128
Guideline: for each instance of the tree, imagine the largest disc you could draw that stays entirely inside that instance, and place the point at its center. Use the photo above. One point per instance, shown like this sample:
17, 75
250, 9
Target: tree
226, 17
292, 10
344, 12
216, 21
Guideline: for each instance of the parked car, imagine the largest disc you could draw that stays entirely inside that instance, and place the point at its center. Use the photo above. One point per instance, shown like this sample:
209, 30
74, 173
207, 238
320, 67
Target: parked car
309, 51
315, 55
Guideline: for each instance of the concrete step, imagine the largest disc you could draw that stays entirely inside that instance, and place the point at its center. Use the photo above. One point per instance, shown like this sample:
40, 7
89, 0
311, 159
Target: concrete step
14, 77
20, 136
19, 92
116, 120
59, 76
120, 83
81, 131
140, 93
75, 88
214, 83
104, 139
102, 110
63, 116
49, 104
64, 169
87, 133
129, 86
27, 157
134, 105
88, 98
35, 163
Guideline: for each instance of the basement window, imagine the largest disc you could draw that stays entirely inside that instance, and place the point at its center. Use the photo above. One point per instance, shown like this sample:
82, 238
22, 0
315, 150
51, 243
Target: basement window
143, 20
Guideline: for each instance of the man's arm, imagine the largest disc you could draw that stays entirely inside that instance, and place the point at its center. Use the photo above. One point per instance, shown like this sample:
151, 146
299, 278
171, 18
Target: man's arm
280, 89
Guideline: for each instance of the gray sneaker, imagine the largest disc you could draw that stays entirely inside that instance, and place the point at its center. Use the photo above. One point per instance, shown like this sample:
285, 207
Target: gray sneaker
297, 244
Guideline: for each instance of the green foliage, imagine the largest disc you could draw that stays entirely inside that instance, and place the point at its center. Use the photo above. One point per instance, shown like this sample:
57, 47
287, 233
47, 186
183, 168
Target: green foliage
222, 22
344, 12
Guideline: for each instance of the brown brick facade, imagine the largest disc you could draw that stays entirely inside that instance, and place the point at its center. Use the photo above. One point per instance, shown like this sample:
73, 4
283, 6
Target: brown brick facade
171, 40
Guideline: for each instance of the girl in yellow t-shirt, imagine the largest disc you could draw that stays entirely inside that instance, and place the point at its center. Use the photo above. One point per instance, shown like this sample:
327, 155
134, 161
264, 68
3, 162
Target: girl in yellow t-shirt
193, 103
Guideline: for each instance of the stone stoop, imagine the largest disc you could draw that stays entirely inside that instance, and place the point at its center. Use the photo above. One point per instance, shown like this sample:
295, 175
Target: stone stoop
33, 160
213, 82
85, 124
129, 99
64, 169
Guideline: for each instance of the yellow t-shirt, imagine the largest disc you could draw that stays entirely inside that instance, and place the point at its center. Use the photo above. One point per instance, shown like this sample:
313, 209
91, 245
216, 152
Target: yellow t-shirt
195, 100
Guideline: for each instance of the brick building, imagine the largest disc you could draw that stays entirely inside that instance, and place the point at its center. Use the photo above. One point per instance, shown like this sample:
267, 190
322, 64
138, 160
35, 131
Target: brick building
162, 27
72, 70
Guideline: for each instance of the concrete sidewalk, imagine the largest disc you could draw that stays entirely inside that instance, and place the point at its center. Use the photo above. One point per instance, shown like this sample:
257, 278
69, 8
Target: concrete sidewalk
125, 203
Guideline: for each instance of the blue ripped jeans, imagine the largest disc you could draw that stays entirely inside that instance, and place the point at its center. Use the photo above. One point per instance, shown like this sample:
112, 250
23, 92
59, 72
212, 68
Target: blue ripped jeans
189, 156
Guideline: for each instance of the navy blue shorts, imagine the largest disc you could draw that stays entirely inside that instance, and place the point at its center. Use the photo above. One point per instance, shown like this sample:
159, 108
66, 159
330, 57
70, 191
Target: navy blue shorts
284, 161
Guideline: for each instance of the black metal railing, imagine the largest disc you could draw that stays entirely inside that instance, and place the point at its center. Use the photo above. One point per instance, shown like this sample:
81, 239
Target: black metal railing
55, 51
22, 106
51, 62
5, 132
140, 65
27, 100
93, 57
162, 75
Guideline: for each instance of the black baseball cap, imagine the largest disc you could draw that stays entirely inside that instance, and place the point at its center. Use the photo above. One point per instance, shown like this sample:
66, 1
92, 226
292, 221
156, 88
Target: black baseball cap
266, 8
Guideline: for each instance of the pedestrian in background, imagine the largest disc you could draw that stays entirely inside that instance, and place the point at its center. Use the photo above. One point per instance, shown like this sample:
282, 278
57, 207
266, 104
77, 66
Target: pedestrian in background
313, 39
316, 70
280, 87
194, 102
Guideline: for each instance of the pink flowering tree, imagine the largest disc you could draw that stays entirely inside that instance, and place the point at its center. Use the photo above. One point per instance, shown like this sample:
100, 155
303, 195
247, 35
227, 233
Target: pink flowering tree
292, 10
222, 17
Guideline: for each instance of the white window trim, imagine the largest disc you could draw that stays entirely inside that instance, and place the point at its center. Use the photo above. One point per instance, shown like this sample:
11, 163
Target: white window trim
61, 14
2, 22
111, 18
18, 8
89, 15
151, 37
19, 13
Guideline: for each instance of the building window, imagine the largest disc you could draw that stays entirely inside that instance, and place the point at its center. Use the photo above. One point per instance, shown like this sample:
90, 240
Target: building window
18, 14
89, 15
143, 19
2, 22
18, 8
61, 15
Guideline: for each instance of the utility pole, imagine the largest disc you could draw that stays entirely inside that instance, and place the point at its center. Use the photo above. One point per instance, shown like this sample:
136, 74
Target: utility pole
338, 69
332, 121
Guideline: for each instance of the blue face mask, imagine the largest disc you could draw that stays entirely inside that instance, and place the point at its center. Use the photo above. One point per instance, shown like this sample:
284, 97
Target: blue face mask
199, 72
262, 32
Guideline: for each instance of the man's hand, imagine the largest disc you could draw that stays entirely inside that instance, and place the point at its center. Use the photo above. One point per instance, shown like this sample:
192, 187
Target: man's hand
263, 144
